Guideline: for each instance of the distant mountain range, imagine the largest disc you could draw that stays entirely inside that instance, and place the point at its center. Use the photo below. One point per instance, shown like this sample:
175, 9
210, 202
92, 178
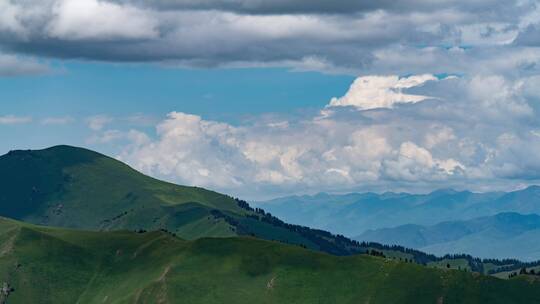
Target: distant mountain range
499, 236
444, 221
352, 214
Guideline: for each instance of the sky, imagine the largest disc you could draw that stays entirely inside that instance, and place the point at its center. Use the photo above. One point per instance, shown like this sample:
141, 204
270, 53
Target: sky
261, 99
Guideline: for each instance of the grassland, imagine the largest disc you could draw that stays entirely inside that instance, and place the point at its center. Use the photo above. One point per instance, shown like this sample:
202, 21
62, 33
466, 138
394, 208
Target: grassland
77, 188
53, 265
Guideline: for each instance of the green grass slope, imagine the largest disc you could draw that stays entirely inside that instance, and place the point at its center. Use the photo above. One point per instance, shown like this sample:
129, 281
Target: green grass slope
53, 265
71, 187
78, 188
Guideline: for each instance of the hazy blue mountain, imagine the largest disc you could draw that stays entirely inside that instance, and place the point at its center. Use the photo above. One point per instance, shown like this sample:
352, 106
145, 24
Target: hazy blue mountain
352, 214
501, 235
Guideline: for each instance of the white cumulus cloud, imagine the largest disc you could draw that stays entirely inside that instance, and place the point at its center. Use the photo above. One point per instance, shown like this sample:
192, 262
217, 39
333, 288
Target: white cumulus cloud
370, 92
94, 19
98, 122
479, 131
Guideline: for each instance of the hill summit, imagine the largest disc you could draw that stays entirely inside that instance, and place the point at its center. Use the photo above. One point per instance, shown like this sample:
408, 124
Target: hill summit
78, 188
66, 186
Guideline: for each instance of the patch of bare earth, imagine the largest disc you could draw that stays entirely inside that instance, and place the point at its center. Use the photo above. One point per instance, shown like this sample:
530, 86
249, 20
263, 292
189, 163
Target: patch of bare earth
162, 297
270, 285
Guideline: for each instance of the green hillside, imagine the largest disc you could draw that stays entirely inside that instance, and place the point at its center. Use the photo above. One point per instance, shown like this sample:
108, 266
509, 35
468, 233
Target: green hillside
72, 187
53, 265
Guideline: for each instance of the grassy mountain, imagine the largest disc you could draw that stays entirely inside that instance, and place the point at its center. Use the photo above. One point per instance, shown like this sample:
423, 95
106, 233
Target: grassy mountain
76, 188
53, 265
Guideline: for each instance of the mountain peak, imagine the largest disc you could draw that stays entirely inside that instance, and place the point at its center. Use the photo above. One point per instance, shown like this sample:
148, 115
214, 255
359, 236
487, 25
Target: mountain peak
444, 191
57, 148
79, 188
61, 154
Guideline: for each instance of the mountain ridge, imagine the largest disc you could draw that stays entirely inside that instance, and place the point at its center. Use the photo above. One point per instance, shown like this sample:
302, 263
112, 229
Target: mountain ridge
486, 237
352, 214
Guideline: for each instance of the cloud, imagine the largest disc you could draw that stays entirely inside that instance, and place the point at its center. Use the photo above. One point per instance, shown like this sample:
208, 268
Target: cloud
415, 163
133, 137
309, 6
476, 131
11, 65
530, 36
370, 92
181, 131
93, 19
354, 37
98, 122
312, 155
107, 136
8, 18
500, 96
438, 136
14, 120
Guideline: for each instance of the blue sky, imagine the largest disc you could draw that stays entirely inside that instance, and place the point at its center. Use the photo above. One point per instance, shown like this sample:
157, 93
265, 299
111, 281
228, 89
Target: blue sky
267, 98
83, 89
79, 90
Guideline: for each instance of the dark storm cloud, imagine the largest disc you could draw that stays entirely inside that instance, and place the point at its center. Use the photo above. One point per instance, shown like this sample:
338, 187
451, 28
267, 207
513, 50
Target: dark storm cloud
340, 36
320, 6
